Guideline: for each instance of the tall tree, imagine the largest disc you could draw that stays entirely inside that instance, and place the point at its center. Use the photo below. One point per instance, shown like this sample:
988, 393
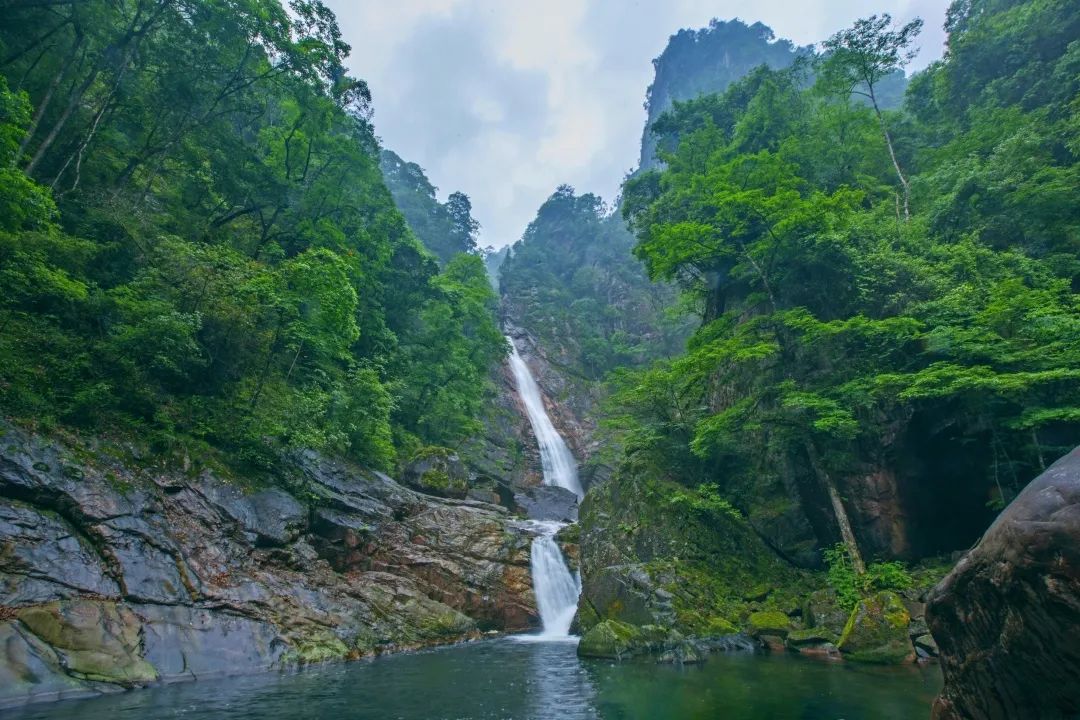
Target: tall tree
857, 60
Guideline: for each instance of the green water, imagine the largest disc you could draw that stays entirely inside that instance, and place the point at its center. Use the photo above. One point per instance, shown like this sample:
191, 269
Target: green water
509, 679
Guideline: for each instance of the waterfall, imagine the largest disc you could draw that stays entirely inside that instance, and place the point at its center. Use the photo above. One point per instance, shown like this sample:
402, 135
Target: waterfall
559, 465
556, 588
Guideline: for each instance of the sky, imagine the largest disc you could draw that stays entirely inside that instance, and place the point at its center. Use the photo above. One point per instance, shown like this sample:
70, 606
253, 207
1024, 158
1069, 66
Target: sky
505, 100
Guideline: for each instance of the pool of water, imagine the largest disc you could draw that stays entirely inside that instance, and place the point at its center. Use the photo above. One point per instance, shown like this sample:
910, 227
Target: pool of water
535, 680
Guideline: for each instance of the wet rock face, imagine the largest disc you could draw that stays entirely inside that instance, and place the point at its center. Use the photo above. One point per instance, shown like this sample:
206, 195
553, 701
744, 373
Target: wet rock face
108, 583
649, 563
1006, 620
548, 502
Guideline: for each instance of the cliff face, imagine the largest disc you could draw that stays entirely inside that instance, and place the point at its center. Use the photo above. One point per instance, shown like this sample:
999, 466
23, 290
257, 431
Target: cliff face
705, 61
113, 577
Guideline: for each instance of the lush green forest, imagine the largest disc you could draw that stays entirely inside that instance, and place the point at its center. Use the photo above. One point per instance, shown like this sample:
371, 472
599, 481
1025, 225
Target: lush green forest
445, 229
573, 282
875, 285
197, 245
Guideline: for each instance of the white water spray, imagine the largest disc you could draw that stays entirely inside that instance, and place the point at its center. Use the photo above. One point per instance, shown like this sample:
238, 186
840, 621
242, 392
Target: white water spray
559, 465
556, 588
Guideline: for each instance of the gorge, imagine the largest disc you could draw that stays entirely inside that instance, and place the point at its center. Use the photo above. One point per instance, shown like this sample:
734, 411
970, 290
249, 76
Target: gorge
788, 427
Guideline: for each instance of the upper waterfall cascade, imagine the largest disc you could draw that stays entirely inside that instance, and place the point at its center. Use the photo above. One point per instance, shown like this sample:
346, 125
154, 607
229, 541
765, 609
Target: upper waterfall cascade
559, 465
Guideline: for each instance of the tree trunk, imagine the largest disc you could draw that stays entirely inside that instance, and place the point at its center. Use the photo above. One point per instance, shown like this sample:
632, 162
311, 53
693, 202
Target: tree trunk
892, 155
39, 113
842, 520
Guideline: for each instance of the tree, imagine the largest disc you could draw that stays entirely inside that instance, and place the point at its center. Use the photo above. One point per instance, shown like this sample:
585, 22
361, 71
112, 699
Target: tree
859, 57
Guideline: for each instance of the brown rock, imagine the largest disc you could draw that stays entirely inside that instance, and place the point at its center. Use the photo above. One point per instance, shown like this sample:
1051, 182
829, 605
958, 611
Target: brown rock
1007, 618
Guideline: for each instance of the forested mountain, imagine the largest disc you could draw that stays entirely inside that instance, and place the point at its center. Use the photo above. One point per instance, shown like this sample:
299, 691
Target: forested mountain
197, 244
705, 61
445, 229
572, 281
259, 410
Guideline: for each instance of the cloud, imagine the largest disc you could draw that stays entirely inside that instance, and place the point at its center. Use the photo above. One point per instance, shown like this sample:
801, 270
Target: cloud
506, 99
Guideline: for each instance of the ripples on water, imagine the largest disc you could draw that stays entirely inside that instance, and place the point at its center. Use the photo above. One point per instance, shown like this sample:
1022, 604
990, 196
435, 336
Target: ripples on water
533, 680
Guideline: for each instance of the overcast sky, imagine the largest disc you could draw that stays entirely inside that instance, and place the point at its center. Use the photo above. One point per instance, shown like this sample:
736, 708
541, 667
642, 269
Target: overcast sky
506, 99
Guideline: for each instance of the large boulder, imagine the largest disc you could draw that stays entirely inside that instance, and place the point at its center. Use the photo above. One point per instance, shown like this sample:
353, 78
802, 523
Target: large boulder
877, 631
437, 471
1007, 618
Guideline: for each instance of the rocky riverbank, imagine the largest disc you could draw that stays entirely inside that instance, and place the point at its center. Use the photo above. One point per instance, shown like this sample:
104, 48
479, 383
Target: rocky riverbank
668, 572
115, 576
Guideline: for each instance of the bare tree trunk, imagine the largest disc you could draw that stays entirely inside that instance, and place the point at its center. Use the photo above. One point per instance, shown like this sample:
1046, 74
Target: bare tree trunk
44, 104
846, 533
892, 155
73, 102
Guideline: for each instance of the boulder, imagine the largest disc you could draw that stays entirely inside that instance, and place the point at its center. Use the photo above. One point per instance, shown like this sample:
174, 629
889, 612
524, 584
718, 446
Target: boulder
769, 622
1007, 618
877, 631
822, 610
617, 640
925, 646
548, 502
812, 641
609, 639
437, 471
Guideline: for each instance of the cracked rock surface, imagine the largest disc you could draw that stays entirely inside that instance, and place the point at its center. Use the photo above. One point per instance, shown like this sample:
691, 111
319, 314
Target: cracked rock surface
112, 578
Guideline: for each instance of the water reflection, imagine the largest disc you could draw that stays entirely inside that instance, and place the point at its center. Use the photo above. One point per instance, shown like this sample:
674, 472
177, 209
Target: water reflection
541, 681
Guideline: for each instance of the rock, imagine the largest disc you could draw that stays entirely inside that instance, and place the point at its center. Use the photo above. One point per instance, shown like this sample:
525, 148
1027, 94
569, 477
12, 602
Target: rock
609, 639
818, 642
548, 502
1007, 618
273, 517
107, 584
647, 562
189, 643
822, 610
93, 640
769, 622
926, 644
877, 631
917, 628
683, 652
809, 636
44, 558
437, 471
617, 640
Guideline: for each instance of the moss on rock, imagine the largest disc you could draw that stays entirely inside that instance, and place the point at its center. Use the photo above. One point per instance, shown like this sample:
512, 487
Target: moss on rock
97, 640
769, 622
877, 631
609, 639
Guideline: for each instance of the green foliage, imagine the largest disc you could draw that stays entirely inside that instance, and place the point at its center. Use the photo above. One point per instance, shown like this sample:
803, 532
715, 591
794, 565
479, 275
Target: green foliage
704, 499
445, 229
197, 244
832, 322
851, 586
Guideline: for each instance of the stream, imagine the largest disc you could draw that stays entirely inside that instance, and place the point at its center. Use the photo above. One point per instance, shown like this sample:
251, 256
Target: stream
530, 681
